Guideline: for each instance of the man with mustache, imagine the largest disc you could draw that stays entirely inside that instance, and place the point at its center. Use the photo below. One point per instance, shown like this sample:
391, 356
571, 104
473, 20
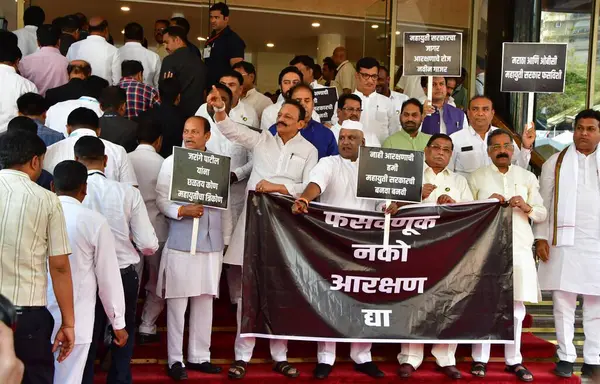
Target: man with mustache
282, 163
440, 186
409, 138
350, 108
335, 179
518, 188
568, 243
470, 149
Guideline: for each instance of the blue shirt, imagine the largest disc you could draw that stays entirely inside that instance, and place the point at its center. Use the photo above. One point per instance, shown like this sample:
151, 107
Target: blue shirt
318, 135
49, 136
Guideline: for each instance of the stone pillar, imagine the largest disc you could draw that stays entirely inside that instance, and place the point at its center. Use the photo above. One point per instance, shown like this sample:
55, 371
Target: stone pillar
327, 43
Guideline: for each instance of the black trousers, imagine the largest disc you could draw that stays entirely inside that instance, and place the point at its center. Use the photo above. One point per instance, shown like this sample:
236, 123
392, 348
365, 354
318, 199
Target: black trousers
120, 367
32, 345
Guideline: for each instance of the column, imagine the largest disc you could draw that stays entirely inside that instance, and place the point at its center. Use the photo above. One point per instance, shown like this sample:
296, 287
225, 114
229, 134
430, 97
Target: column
327, 43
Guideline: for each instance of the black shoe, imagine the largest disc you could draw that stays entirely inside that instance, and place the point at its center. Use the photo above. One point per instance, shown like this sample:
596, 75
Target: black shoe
563, 369
322, 371
147, 338
205, 367
370, 369
589, 370
177, 372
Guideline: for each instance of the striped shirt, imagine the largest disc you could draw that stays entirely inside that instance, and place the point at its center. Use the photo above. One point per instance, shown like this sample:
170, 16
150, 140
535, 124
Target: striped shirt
140, 97
32, 227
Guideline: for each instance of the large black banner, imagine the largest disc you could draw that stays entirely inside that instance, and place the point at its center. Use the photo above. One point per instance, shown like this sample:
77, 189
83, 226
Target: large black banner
446, 275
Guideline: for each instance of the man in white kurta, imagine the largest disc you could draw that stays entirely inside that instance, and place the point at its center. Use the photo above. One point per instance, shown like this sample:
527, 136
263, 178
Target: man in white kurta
568, 243
470, 143
282, 164
335, 179
440, 186
349, 107
189, 277
250, 95
94, 268
520, 189
146, 163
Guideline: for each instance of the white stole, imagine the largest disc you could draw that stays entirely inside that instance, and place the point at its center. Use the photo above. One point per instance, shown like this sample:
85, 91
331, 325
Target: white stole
566, 204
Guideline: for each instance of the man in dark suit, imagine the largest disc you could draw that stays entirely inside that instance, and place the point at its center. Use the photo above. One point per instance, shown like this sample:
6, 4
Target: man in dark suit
78, 71
113, 126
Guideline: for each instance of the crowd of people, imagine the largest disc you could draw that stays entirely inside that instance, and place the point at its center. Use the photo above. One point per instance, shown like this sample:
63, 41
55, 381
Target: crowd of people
87, 135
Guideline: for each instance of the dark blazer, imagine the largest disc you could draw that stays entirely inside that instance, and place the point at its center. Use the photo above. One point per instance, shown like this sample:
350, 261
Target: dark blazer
172, 119
73, 90
119, 130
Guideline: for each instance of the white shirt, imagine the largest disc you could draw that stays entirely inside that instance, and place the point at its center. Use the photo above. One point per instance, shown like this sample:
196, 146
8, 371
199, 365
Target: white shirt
58, 114
150, 61
378, 115
316, 85
102, 57
27, 39
470, 152
411, 85
516, 182
480, 84
245, 115
447, 183
288, 164
94, 268
371, 139
337, 178
13, 87
146, 164
125, 211
118, 167
398, 99
346, 75
269, 116
257, 100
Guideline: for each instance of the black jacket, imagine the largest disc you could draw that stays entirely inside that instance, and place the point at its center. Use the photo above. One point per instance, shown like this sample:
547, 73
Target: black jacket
172, 120
119, 130
73, 90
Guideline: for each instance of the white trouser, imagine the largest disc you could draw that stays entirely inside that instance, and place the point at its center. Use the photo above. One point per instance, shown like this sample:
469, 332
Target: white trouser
234, 282
70, 371
154, 304
512, 352
244, 346
564, 321
360, 353
413, 354
200, 326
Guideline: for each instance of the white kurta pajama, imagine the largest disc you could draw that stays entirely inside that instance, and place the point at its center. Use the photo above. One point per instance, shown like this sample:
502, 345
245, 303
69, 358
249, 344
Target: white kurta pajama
484, 182
289, 164
455, 186
574, 264
337, 178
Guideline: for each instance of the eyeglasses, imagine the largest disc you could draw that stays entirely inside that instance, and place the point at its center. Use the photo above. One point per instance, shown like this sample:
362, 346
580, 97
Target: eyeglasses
446, 150
366, 76
351, 110
497, 147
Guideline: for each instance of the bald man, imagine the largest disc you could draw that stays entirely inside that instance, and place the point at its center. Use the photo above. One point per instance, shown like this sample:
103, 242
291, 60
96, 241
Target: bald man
345, 70
78, 71
186, 277
95, 49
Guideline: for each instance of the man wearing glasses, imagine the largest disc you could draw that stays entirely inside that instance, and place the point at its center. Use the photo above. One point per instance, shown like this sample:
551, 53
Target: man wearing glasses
470, 148
350, 108
378, 115
409, 138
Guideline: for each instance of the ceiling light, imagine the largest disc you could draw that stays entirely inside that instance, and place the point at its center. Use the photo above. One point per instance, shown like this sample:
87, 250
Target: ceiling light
316, 24
122, 32
201, 38
125, 9
374, 26
397, 32
270, 45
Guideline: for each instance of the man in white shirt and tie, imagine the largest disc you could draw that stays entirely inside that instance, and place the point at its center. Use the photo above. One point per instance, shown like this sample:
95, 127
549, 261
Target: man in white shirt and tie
33, 18
470, 143
85, 122
378, 114
520, 189
568, 242
94, 268
102, 56
250, 95
124, 209
146, 163
288, 78
282, 163
440, 186
349, 107
13, 84
133, 50
335, 179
